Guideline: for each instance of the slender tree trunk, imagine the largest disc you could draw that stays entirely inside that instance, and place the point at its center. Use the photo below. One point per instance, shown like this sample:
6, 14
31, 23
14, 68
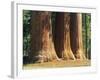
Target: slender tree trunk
62, 36
42, 47
76, 35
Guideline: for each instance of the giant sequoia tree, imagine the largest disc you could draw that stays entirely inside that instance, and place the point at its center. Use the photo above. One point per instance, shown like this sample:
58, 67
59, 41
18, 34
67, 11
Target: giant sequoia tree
42, 46
76, 35
62, 36
64, 42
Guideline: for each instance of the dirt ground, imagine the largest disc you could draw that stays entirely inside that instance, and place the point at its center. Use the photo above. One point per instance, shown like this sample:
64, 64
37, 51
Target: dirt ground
58, 64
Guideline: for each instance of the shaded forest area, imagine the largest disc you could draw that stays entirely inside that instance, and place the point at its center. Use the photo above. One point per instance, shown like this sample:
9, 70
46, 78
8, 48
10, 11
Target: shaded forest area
57, 36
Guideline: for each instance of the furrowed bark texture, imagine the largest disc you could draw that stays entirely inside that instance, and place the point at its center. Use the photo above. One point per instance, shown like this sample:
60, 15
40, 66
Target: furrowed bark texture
62, 36
42, 46
67, 41
76, 35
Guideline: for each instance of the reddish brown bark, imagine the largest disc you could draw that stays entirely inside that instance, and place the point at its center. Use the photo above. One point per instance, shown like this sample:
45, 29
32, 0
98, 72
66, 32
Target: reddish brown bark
62, 36
67, 42
76, 35
59, 34
42, 47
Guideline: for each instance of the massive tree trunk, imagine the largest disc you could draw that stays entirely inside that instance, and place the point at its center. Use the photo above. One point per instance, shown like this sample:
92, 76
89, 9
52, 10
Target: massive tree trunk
59, 34
42, 47
62, 36
76, 35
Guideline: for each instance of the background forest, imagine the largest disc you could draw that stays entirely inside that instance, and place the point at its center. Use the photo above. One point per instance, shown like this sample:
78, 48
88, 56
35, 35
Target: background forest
86, 33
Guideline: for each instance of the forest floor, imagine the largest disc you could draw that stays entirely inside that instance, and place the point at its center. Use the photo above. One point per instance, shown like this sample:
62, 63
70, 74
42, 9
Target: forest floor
58, 64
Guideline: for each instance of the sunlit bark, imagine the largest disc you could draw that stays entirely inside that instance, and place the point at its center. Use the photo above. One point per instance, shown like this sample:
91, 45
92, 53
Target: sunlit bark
42, 47
76, 35
62, 36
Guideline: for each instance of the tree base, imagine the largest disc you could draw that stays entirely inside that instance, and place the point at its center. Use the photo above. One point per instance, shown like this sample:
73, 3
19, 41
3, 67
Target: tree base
68, 55
44, 56
80, 55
